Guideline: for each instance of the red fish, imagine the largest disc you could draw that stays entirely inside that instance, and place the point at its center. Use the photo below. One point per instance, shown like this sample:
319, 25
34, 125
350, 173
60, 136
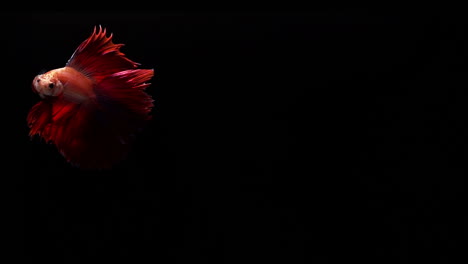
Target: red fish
92, 108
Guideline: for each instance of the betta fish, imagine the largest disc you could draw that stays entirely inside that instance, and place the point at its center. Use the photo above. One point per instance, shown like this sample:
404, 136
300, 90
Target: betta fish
92, 108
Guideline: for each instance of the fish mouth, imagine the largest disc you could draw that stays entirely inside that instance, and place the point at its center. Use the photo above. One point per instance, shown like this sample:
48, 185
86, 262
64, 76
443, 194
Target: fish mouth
35, 89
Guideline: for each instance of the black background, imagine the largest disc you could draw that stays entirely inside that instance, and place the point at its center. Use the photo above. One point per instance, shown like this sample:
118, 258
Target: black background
293, 137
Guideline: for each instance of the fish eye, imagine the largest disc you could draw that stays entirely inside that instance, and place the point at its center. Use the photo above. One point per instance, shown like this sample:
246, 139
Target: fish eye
51, 85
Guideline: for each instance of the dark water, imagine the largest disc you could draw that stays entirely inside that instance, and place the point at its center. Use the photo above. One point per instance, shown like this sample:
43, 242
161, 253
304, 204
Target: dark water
289, 137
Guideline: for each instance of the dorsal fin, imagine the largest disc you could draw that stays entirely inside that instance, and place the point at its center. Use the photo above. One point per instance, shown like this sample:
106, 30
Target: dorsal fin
98, 57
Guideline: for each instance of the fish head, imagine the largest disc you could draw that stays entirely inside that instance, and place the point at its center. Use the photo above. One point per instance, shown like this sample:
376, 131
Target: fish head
47, 85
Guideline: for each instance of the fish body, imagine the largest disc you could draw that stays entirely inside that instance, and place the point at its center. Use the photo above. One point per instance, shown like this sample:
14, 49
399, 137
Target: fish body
74, 85
92, 108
